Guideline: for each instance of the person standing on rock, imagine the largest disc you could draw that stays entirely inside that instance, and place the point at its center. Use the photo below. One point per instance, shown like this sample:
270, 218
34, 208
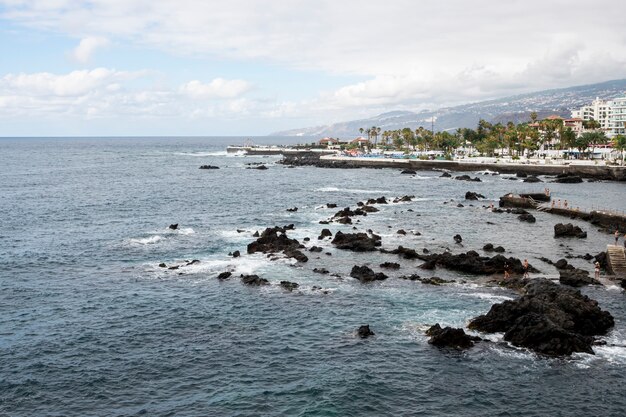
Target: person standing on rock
597, 270
507, 275
525, 265
624, 241
616, 236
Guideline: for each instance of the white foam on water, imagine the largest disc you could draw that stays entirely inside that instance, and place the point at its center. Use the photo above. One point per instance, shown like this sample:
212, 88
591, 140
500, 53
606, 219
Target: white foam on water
216, 153
185, 231
151, 240
487, 296
346, 190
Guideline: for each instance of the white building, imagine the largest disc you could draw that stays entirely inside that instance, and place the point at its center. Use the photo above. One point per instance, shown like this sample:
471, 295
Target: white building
610, 114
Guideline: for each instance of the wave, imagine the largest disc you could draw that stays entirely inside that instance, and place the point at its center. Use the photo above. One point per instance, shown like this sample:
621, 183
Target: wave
487, 296
185, 231
151, 240
347, 190
216, 153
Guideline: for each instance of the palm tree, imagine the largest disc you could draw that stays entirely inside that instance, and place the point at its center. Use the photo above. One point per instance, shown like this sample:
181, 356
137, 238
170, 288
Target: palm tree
619, 143
533, 116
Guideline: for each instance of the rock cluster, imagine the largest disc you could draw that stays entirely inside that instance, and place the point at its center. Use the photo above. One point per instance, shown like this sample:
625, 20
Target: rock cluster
450, 337
274, 240
471, 262
365, 274
357, 242
568, 230
473, 196
549, 318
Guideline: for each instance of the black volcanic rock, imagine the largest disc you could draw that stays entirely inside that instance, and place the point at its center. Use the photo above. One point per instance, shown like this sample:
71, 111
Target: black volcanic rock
568, 179
471, 262
473, 196
568, 230
532, 179
467, 178
365, 274
576, 278
458, 238
406, 253
390, 265
408, 172
208, 167
289, 286
253, 280
357, 242
549, 318
527, 218
173, 226
224, 275
445, 175
449, 337
274, 240
365, 331
325, 233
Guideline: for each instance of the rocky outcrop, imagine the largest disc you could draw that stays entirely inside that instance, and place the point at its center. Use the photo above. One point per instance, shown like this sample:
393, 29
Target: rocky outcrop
568, 230
224, 275
532, 179
549, 318
404, 199
208, 167
568, 179
390, 265
274, 240
458, 238
289, 286
365, 274
173, 226
292, 210
357, 242
408, 172
527, 218
575, 277
467, 178
473, 196
406, 253
379, 200
450, 337
254, 280
364, 331
324, 234
445, 175
471, 262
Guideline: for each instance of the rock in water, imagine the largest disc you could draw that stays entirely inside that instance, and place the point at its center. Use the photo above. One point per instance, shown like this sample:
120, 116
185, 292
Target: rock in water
458, 238
568, 179
357, 242
532, 179
173, 226
274, 240
575, 277
325, 233
568, 230
449, 337
408, 172
527, 218
289, 286
365, 274
473, 196
209, 167
390, 265
549, 318
364, 331
224, 275
254, 280
445, 175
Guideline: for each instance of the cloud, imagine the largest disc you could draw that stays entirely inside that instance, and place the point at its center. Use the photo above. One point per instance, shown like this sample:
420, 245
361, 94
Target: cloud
217, 88
87, 46
108, 93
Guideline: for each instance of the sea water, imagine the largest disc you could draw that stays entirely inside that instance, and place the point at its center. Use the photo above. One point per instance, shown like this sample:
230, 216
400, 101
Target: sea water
91, 325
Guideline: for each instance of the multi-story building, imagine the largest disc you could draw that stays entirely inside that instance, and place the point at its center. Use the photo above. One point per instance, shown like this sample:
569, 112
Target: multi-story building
610, 115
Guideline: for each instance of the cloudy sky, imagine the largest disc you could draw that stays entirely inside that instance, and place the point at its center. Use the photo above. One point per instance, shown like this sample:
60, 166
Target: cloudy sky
246, 67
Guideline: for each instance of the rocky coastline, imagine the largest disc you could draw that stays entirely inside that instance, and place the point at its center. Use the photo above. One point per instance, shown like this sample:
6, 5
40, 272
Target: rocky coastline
595, 172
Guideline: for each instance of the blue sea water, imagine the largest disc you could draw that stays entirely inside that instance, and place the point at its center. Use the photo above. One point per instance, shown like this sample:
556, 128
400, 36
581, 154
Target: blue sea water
90, 325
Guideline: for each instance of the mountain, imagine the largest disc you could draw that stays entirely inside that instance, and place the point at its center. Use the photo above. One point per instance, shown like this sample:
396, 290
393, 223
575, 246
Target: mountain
515, 108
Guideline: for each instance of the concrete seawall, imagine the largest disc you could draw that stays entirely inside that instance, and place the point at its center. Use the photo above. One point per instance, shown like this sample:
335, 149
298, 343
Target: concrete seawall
614, 173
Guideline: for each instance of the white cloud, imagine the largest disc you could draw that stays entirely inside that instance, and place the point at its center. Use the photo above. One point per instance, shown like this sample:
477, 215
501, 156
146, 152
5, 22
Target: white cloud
217, 88
87, 47
108, 93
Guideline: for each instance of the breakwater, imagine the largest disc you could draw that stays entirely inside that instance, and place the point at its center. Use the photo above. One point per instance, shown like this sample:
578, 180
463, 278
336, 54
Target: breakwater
603, 172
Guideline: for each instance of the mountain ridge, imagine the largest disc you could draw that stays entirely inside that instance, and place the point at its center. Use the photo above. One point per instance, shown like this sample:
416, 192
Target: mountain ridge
516, 108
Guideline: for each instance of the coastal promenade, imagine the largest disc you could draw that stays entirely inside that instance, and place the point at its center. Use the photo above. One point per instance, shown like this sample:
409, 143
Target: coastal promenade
615, 173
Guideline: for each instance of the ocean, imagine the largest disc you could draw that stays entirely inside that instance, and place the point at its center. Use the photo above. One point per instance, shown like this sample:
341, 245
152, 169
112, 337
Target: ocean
90, 325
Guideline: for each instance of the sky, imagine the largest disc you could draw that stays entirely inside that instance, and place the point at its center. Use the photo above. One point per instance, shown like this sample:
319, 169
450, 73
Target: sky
253, 67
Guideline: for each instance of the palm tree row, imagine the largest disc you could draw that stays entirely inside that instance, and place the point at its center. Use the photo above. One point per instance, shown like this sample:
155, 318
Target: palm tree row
507, 139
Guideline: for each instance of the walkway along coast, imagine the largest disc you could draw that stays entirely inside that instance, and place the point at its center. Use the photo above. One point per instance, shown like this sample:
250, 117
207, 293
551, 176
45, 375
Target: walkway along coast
612, 173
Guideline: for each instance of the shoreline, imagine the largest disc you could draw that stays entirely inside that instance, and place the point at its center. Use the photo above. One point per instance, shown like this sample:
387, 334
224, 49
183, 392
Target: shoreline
599, 172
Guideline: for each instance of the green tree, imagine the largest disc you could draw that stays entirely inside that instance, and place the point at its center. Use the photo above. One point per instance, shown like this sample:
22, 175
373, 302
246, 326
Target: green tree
619, 143
568, 137
533, 116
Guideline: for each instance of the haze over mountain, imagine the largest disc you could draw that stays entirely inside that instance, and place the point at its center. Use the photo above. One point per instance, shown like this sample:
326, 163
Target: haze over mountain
514, 108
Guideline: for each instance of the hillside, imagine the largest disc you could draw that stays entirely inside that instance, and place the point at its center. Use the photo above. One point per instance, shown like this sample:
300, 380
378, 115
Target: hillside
515, 108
